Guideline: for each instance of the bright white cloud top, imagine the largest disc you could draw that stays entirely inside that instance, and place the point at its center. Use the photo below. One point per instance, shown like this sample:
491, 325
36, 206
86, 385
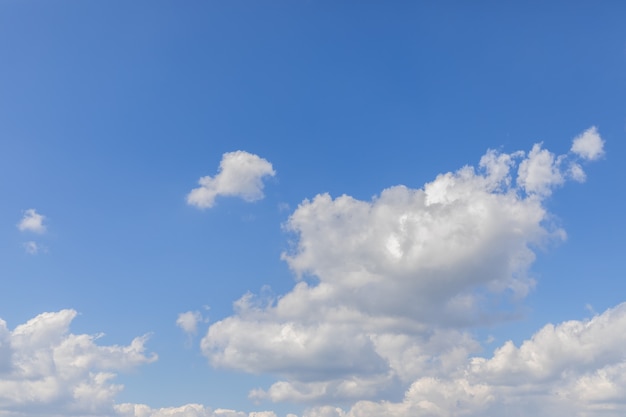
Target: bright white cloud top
32, 222
240, 174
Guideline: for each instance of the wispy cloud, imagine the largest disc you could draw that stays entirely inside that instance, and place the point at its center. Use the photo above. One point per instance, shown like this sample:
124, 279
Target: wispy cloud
188, 410
240, 175
31, 247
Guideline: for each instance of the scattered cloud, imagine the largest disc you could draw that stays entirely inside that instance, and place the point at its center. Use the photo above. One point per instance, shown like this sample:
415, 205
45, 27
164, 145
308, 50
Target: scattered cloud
32, 222
589, 145
240, 174
541, 171
387, 287
46, 370
188, 321
189, 410
573, 368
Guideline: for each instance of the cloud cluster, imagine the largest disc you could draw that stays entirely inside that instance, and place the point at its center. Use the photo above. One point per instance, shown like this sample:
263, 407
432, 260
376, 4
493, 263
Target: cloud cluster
240, 174
46, 370
31, 247
387, 287
188, 410
576, 368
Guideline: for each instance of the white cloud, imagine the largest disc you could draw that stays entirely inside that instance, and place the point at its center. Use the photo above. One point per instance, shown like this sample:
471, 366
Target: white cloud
576, 368
386, 290
188, 321
32, 222
540, 172
589, 145
381, 280
577, 173
240, 174
45, 370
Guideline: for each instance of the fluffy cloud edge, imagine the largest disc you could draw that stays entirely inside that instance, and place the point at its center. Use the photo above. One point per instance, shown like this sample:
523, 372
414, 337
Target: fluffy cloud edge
588, 145
240, 174
575, 367
32, 222
188, 321
44, 368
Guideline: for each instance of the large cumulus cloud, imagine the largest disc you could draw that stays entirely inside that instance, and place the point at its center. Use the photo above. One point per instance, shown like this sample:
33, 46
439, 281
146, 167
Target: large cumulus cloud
387, 287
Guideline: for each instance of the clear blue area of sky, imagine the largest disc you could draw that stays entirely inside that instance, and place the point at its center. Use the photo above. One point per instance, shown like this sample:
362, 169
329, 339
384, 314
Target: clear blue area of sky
110, 111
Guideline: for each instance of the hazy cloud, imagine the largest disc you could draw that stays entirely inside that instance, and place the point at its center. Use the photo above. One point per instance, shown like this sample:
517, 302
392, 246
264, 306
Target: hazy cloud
188, 321
32, 222
240, 174
31, 247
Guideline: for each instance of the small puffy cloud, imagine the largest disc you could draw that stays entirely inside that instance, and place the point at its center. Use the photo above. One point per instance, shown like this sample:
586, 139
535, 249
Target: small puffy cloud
380, 280
589, 145
240, 174
32, 222
46, 370
541, 171
324, 411
188, 321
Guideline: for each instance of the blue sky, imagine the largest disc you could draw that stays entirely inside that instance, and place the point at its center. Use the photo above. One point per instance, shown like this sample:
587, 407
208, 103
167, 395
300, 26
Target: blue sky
301, 279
